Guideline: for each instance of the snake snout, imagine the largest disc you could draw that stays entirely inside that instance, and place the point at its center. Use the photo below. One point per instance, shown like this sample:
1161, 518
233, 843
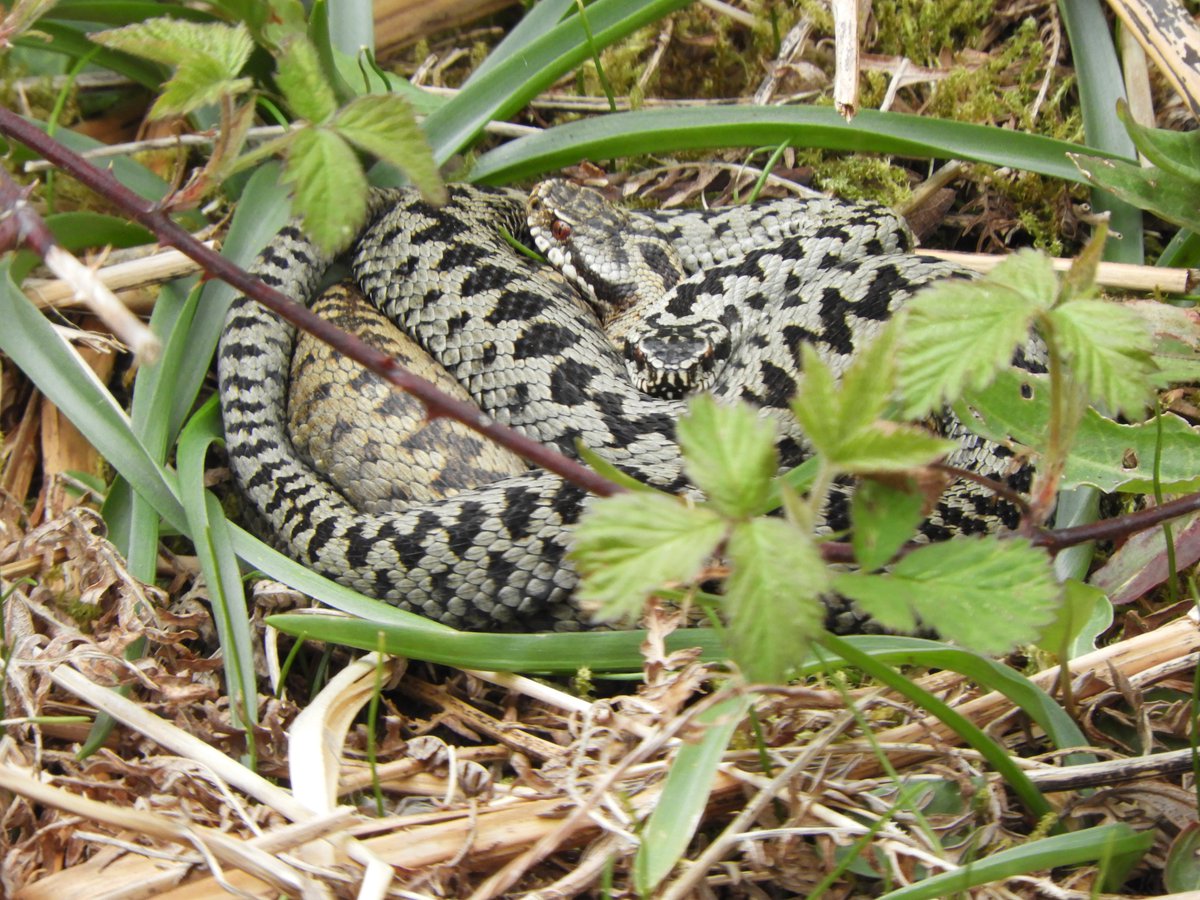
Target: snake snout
676, 362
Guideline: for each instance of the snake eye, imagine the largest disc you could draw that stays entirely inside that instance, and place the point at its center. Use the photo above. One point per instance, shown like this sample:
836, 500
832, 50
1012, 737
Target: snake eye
560, 230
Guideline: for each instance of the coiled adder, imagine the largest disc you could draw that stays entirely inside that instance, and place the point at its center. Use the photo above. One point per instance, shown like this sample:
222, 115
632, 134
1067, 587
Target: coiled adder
732, 292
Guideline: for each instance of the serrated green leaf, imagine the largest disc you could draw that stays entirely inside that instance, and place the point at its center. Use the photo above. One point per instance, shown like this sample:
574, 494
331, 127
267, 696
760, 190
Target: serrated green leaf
1080, 280
729, 453
629, 545
842, 423
384, 125
956, 335
206, 56
816, 404
1108, 349
869, 380
1163, 193
891, 448
197, 83
173, 41
772, 597
884, 517
298, 74
331, 189
983, 593
1105, 454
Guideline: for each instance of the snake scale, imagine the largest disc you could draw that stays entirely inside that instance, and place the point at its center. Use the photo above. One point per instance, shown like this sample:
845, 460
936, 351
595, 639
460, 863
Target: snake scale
746, 285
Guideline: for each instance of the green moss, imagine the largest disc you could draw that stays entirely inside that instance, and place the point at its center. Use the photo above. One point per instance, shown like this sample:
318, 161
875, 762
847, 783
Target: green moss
922, 29
858, 177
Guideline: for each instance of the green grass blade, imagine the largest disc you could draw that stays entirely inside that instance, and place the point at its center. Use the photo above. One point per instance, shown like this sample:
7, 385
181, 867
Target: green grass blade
669, 130
219, 565
537, 21
59, 373
1101, 85
125, 12
73, 43
1060, 728
996, 755
600, 651
132, 174
262, 209
517, 80
680, 807
1105, 842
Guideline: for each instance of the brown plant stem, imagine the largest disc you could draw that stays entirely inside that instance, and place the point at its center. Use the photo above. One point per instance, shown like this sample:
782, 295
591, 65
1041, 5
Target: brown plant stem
172, 234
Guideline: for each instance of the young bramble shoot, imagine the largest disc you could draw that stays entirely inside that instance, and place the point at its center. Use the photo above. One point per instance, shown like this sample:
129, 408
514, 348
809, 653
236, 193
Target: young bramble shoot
206, 57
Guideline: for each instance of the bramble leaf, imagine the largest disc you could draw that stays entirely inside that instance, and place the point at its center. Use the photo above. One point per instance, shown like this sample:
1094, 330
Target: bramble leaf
1108, 348
331, 189
842, 424
384, 126
957, 335
298, 74
984, 593
630, 544
729, 453
884, 517
772, 596
206, 58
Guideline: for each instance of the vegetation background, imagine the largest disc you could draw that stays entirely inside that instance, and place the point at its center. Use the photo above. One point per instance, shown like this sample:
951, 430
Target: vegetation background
231, 757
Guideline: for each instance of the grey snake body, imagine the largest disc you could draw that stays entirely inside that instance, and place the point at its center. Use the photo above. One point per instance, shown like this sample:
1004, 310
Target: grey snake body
528, 348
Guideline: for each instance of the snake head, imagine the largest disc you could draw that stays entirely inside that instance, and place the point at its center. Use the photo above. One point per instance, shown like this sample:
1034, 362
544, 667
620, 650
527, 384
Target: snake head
614, 258
672, 362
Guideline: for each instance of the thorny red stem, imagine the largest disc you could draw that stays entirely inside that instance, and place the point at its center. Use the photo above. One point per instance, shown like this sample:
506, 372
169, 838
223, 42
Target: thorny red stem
22, 229
172, 234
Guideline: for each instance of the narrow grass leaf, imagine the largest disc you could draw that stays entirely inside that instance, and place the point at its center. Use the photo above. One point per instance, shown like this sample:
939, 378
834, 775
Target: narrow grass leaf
262, 209
772, 597
984, 593
956, 335
62, 376
895, 650
671, 130
1101, 85
81, 230
539, 18
630, 544
513, 82
598, 651
729, 453
1083, 616
996, 755
218, 563
1103, 842
1108, 347
685, 794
